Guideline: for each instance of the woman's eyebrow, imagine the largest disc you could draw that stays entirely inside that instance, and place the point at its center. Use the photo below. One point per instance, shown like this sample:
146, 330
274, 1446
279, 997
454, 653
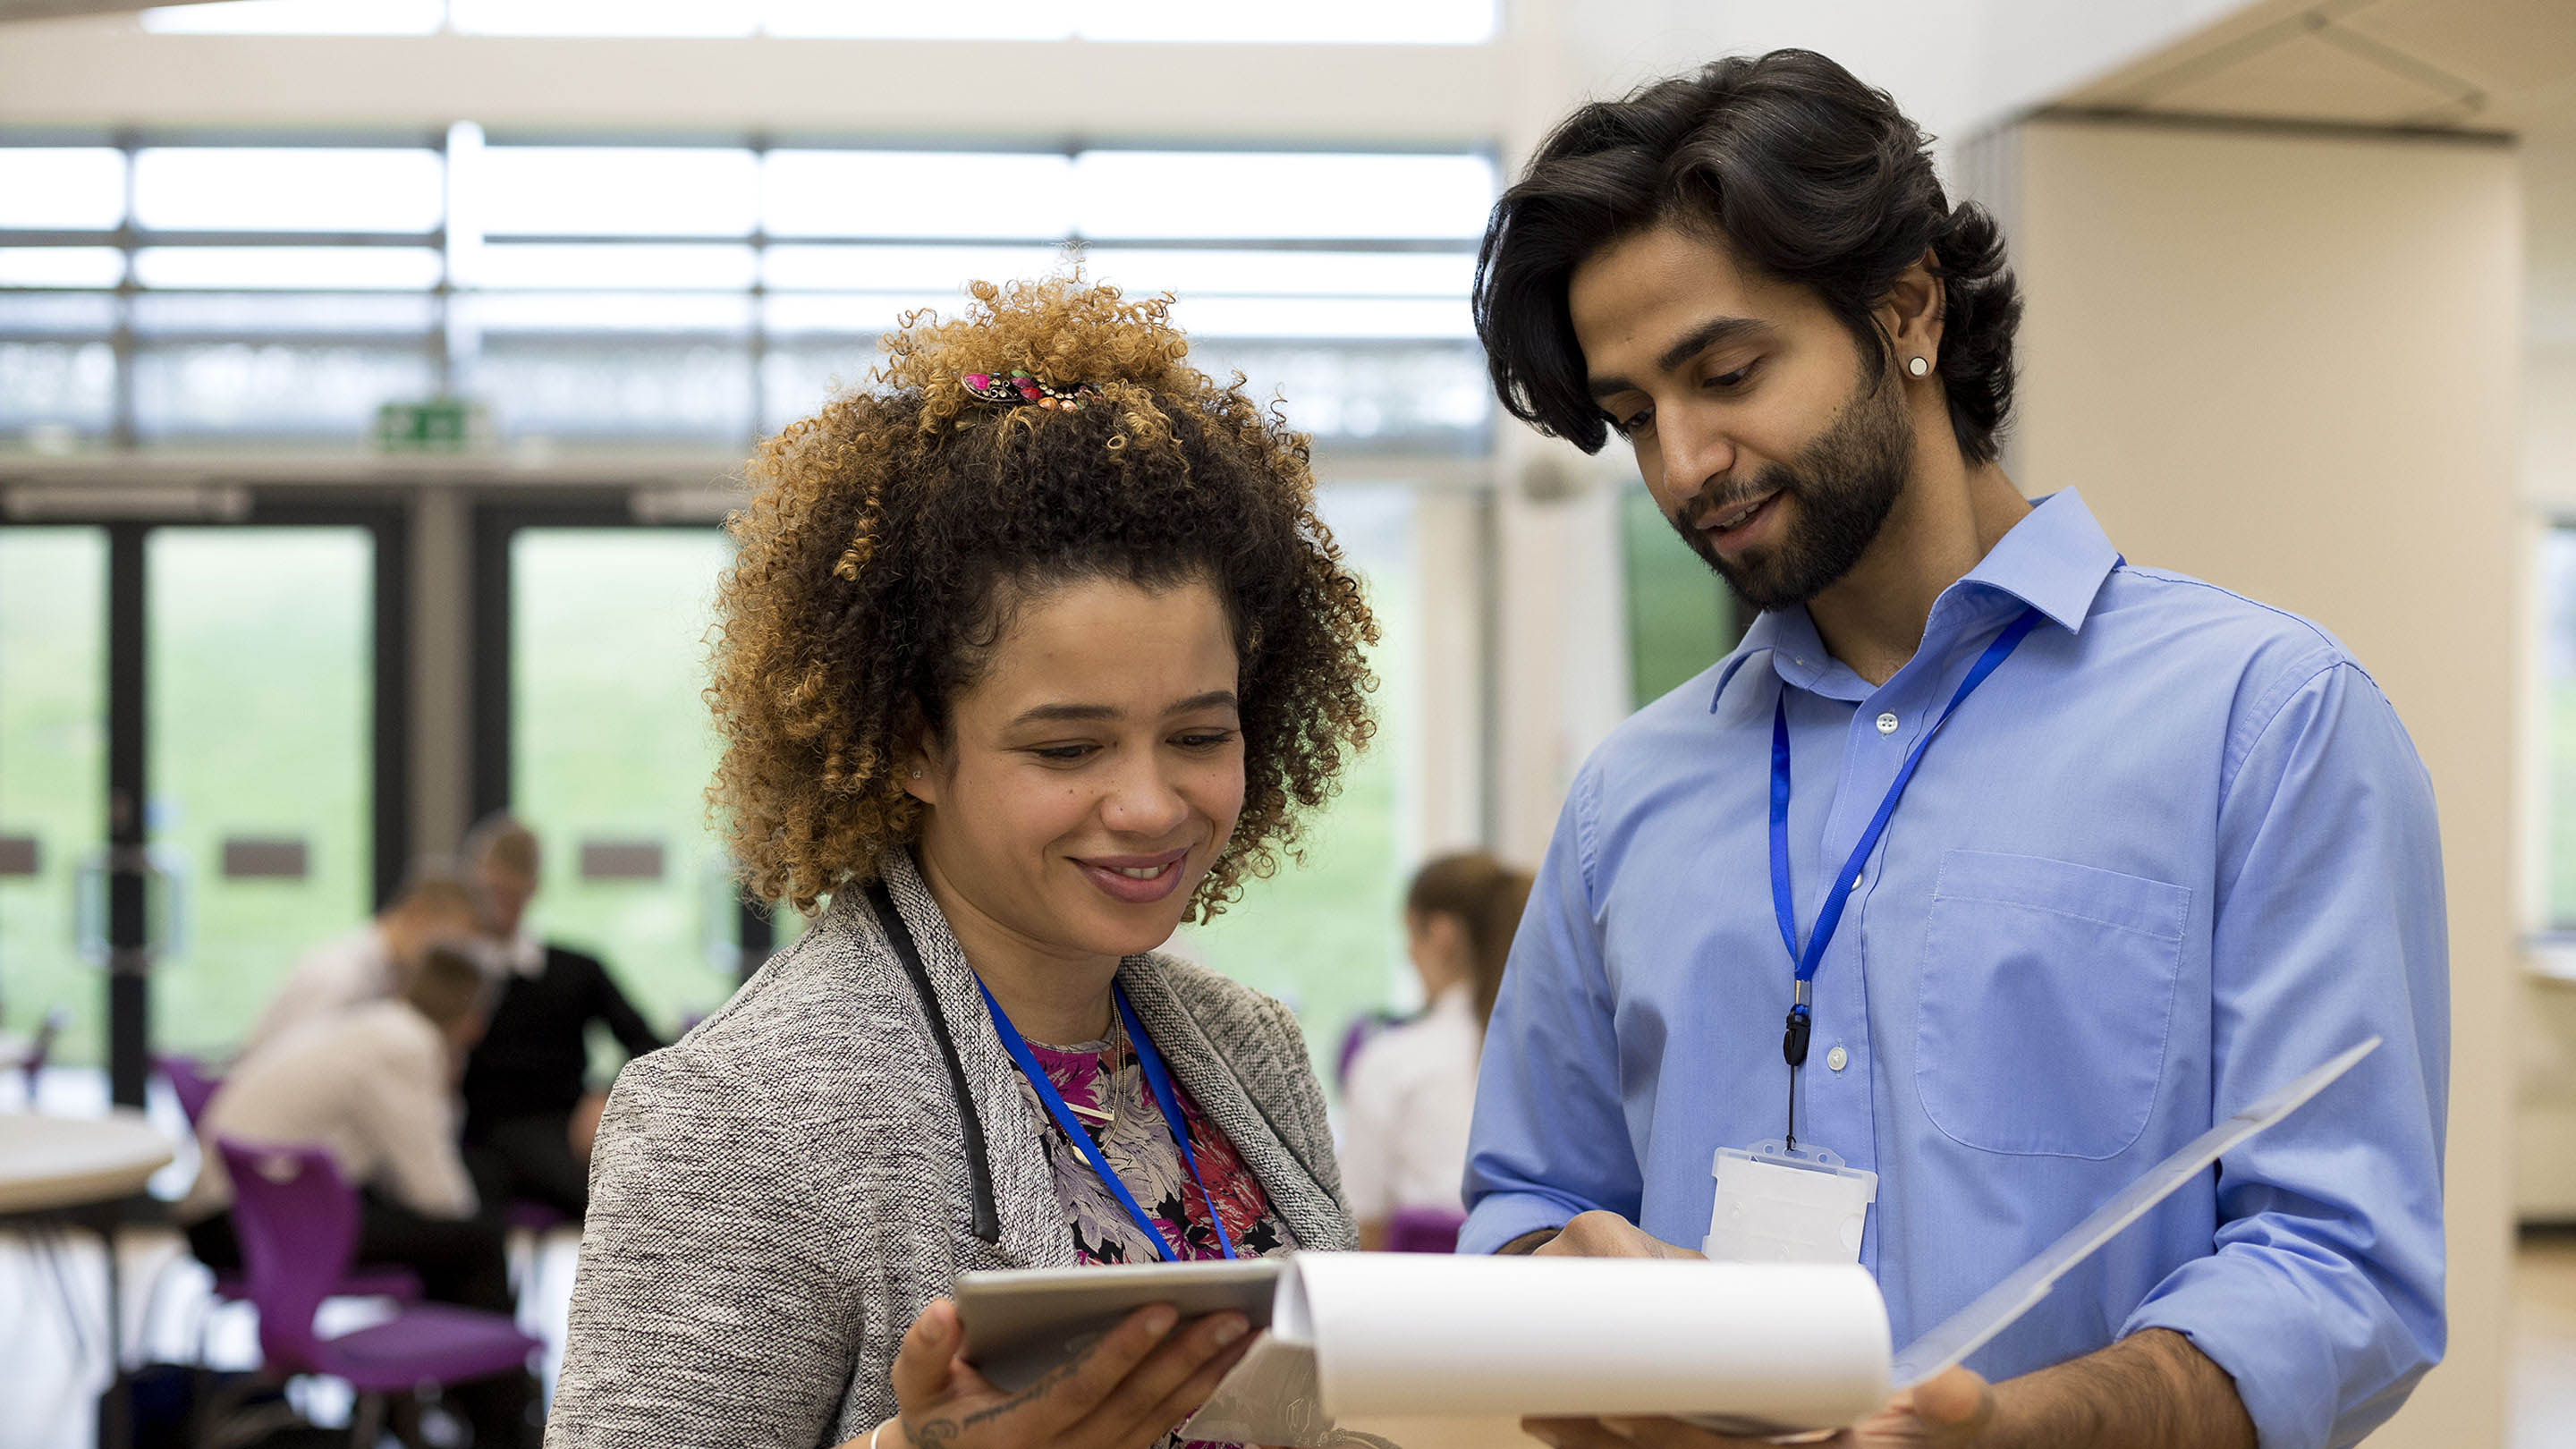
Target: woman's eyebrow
1060, 713
1046, 713
1213, 699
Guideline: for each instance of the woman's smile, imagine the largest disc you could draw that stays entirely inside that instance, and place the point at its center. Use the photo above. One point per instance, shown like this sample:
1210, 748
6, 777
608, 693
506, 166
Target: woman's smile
1137, 880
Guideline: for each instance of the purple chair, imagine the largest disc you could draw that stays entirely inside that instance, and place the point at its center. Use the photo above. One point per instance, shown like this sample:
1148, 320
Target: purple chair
190, 1082
299, 1227
1424, 1230
195, 1087
41, 1049
527, 1215
533, 1219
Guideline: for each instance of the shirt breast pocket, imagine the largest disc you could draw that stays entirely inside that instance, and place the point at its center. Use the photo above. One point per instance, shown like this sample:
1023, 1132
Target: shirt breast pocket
2045, 995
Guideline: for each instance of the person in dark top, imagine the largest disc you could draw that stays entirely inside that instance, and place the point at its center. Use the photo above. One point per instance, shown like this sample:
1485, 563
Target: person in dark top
529, 1112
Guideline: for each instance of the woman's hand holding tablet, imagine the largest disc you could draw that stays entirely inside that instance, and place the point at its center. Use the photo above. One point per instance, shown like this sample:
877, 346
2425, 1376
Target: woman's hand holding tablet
1125, 1391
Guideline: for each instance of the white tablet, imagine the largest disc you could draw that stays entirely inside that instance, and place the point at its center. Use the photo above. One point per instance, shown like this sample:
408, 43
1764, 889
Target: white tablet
1020, 1323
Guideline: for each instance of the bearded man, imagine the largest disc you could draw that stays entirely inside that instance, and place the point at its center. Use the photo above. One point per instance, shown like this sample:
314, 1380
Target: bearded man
1990, 863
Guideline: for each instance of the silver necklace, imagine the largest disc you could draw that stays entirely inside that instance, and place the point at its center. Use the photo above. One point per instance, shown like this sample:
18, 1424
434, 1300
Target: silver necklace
1105, 1116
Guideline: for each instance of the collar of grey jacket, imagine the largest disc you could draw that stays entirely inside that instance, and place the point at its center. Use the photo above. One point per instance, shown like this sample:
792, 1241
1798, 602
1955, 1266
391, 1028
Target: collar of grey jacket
1007, 1169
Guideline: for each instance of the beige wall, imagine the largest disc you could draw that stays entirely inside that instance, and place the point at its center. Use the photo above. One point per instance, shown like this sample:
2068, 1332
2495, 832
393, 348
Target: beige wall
2545, 1124
2288, 363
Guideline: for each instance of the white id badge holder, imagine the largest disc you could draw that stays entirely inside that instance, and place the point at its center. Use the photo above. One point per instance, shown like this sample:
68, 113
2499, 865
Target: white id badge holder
1782, 1204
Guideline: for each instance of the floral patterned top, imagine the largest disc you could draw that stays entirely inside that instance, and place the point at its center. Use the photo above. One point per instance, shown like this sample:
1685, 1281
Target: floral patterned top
1139, 1145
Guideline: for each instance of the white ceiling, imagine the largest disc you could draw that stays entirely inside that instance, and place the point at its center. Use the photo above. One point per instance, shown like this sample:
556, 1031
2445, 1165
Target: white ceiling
2486, 65
49, 9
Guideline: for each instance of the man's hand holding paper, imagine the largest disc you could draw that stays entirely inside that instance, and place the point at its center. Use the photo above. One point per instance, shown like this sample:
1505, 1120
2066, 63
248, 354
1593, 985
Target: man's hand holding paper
1950, 1409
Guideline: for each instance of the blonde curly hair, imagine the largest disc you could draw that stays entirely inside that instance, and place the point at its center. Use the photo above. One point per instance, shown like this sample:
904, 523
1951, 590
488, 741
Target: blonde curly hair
890, 535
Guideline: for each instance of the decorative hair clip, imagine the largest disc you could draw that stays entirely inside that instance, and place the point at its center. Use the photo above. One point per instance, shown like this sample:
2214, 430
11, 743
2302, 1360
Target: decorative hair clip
1019, 389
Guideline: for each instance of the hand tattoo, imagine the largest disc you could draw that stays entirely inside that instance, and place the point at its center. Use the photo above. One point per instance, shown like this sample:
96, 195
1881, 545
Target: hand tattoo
1045, 1385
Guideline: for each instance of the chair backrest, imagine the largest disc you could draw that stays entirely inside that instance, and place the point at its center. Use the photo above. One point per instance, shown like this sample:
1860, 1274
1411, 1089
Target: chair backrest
190, 1083
298, 1225
1424, 1230
42, 1047
1358, 1034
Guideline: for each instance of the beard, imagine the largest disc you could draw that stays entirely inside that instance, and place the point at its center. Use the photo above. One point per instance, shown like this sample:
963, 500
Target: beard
1845, 482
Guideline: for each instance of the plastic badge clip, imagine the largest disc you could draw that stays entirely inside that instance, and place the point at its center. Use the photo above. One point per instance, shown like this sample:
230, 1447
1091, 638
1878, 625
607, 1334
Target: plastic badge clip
1781, 1204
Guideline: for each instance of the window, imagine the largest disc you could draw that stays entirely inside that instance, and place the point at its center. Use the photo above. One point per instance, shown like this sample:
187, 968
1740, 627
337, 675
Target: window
705, 294
184, 390
1132, 194
53, 769
612, 190
73, 189
286, 188
260, 652
1681, 616
1326, 935
2558, 577
1002, 196
611, 750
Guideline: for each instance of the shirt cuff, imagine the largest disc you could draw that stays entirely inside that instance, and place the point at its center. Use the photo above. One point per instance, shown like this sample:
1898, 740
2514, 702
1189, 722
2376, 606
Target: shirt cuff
1500, 1217
2234, 1312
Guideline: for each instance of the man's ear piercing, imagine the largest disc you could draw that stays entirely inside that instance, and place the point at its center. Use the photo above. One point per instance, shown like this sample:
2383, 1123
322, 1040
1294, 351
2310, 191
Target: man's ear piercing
916, 774
1919, 366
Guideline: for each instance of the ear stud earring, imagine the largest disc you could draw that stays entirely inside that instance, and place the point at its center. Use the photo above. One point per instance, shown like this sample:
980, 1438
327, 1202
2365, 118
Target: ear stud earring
1919, 366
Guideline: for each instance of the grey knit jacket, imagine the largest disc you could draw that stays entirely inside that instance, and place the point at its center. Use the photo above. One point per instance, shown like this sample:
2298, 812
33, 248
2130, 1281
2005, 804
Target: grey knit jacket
775, 1197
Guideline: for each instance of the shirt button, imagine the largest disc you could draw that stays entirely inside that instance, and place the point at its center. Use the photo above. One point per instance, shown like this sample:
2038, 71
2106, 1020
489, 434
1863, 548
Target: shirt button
1887, 724
1838, 1059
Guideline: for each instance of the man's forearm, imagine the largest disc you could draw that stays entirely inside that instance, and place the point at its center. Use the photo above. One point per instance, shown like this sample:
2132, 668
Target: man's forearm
2152, 1390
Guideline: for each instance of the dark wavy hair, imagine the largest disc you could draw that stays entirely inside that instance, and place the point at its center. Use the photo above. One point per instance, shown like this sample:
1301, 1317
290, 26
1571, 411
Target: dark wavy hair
1805, 173
891, 535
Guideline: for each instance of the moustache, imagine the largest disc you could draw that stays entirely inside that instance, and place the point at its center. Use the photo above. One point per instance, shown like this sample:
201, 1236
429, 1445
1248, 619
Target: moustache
1713, 503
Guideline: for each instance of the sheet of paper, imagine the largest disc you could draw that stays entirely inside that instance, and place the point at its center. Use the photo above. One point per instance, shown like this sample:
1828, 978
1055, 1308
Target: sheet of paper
1781, 1345
1271, 1397
1993, 1311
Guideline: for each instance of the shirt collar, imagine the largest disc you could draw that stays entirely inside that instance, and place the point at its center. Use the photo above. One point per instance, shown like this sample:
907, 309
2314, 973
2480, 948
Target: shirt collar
2054, 560
521, 955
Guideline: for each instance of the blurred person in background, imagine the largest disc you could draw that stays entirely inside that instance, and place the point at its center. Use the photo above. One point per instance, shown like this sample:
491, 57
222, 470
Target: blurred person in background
529, 1110
434, 905
2167, 849
374, 1085
1031, 650
1412, 1088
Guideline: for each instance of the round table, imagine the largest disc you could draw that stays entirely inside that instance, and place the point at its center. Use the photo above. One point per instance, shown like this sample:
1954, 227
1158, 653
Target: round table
81, 1170
49, 1163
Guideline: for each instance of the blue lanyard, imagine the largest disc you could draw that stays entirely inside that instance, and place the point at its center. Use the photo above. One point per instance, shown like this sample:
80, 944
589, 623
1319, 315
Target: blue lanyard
1156, 1079
1793, 1044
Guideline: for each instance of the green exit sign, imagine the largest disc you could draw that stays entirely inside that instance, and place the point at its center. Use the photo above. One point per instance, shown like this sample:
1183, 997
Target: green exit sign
440, 425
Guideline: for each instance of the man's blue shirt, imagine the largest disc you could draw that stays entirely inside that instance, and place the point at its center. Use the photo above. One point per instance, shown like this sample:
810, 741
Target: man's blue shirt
2176, 851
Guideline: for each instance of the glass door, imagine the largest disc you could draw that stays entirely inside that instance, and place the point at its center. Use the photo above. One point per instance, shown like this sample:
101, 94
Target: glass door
53, 778
259, 720
202, 745
597, 634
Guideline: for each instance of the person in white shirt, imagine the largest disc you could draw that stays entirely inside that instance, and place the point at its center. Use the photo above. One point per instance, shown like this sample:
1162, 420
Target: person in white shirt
374, 1085
1412, 1088
371, 962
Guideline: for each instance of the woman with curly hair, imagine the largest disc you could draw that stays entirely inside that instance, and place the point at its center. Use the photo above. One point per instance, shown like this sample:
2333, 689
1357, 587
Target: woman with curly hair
1032, 651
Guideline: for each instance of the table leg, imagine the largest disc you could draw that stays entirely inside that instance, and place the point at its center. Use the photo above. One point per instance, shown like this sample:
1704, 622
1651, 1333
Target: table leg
116, 1417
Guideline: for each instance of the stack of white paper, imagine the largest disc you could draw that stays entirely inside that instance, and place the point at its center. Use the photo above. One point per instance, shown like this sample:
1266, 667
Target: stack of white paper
1757, 1346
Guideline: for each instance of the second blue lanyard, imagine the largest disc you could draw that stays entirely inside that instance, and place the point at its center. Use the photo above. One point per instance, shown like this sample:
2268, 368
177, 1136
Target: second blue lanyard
1829, 916
1157, 1080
